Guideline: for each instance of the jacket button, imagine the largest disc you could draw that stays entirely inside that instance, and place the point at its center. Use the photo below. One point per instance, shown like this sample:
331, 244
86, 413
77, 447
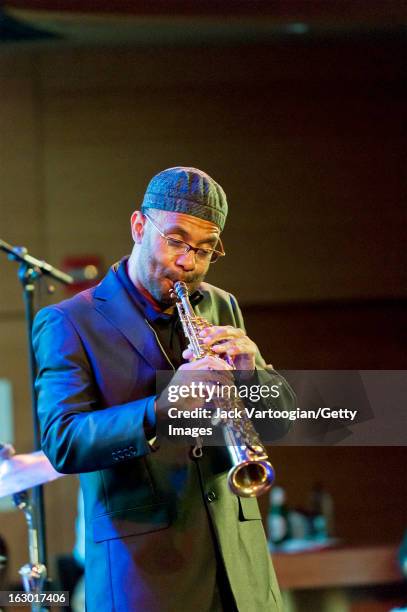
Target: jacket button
211, 496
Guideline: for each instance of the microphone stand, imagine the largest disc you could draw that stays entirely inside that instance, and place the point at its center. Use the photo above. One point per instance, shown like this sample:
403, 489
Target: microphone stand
31, 270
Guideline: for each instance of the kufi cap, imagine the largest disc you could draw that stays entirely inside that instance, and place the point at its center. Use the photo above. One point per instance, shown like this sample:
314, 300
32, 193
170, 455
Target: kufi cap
187, 190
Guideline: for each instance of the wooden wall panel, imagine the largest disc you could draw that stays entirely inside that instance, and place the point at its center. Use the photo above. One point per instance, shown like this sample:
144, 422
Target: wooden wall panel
312, 168
21, 171
338, 336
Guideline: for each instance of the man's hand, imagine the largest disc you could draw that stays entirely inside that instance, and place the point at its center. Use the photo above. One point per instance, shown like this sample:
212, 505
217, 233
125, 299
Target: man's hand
209, 370
6, 451
232, 341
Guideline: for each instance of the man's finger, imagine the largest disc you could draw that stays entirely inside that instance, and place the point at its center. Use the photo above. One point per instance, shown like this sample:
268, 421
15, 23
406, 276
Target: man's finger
187, 354
217, 333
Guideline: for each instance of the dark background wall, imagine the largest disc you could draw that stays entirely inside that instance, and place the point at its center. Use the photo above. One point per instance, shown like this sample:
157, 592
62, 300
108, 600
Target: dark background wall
306, 138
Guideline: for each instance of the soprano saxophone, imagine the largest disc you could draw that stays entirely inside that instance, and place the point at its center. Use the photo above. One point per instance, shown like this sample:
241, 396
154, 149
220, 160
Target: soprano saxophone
251, 473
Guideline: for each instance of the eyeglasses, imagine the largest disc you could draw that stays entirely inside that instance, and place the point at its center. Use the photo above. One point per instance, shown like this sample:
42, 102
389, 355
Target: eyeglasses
179, 247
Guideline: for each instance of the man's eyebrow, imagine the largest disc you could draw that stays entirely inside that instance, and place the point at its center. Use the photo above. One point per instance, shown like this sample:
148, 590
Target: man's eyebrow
176, 229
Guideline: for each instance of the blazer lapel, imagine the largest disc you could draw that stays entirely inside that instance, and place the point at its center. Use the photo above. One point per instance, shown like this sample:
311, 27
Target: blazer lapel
115, 304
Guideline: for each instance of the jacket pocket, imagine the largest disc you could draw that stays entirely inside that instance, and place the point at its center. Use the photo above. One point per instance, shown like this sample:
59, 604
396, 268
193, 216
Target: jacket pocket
130, 521
248, 509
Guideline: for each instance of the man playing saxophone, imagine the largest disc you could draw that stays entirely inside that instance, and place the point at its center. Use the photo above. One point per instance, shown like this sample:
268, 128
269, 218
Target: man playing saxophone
164, 532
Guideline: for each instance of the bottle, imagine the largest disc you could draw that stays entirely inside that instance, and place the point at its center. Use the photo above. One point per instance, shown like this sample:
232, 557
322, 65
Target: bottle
321, 513
278, 526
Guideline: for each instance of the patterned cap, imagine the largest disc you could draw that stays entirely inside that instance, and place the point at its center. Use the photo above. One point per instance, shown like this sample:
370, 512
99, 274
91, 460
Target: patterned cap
187, 190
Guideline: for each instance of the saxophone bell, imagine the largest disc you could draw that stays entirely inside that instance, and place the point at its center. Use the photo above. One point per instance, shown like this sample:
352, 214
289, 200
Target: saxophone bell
252, 473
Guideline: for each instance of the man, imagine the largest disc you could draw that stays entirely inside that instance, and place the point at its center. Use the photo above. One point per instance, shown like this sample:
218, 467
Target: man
163, 531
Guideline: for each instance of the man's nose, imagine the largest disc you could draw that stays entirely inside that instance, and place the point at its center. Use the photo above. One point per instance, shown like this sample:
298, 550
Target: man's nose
187, 260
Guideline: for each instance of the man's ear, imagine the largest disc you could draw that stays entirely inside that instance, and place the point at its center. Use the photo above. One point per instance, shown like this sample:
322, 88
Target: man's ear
137, 222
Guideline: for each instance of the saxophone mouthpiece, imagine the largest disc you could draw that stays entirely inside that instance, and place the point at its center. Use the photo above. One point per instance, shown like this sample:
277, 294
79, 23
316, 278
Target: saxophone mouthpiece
181, 289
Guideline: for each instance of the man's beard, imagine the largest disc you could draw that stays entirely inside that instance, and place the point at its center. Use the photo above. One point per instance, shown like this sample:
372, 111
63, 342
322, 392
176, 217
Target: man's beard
192, 281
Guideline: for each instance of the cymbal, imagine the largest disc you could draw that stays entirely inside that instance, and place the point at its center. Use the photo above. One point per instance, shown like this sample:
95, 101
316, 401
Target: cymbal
21, 472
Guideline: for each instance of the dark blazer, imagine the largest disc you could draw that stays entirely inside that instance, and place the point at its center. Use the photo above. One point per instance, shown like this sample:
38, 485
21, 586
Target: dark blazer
149, 544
